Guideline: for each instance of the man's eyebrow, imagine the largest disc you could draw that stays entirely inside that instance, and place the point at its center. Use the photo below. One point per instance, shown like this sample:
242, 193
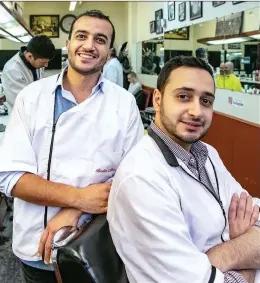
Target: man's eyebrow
97, 34
192, 90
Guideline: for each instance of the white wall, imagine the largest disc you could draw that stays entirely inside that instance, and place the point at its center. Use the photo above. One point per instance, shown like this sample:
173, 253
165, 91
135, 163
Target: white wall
146, 13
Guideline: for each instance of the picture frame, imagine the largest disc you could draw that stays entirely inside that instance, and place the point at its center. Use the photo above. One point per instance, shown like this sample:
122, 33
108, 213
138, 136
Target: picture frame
178, 34
196, 10
171, 11
182, 11
158, 22
229, 25
152, 26
45, 25
218, 3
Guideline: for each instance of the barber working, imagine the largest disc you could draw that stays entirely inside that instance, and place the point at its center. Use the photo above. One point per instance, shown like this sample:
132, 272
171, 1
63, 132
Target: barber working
26, 66
74, 128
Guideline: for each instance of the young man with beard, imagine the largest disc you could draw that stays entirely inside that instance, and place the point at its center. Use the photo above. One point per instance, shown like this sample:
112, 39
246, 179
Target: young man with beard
175, 213
65, 139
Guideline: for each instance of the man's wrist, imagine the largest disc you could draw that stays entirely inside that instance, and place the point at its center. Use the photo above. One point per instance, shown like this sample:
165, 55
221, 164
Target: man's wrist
75, 199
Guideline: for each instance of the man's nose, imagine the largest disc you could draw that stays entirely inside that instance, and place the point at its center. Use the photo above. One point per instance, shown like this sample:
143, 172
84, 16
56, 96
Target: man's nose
89, 43
195, 109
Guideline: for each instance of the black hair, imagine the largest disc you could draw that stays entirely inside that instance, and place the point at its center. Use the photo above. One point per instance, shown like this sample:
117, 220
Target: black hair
200, 52
177, 62
95, 14
113, 53
41, 47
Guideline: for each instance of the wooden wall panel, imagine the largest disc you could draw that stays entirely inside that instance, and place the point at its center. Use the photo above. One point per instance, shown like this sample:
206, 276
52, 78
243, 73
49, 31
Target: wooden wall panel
221, 136
238, 144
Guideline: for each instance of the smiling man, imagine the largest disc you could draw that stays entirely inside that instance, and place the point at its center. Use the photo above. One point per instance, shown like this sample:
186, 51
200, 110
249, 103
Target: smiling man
174, 211
74, 129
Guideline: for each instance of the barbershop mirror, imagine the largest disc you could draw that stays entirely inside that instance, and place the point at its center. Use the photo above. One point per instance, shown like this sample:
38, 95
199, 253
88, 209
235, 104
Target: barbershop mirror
235, 45
152, 56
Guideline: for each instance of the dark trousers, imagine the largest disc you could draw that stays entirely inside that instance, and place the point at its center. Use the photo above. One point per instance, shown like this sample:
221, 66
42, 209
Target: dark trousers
35, 275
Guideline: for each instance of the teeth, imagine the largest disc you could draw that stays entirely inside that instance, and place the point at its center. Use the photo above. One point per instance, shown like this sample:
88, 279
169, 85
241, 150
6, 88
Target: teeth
86, 56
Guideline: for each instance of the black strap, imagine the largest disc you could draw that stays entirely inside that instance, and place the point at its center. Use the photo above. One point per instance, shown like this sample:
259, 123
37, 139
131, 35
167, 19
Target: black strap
213, 274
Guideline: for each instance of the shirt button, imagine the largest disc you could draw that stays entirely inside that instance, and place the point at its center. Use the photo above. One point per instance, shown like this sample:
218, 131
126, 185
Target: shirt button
192, 160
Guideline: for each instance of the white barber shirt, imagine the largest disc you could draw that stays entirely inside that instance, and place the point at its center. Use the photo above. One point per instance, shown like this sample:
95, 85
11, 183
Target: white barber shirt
90, 141
163, 219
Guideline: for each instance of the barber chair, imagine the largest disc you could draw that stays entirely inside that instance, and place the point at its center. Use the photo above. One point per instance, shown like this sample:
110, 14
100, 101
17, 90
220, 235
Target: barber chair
87, 255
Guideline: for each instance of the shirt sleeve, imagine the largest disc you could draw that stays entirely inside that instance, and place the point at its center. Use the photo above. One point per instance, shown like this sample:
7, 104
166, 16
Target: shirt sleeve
8, 180
136, 87
13, 83
135, 129
233, 277
111, 74
16, 151
150, 233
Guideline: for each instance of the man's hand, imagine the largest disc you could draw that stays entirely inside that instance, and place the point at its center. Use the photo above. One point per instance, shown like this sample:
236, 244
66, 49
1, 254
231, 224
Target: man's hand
93, 199
66, 217
241, 215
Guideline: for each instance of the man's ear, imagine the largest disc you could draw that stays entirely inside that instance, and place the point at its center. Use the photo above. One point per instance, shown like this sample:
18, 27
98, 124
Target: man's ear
109, 54
157, 100
67, 44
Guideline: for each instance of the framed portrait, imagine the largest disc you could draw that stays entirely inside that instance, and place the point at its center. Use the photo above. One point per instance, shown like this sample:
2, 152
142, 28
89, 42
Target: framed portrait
195, 10
45, 25
237, 2
152, 26
177, 34
158, 22
217, 3
182, 11
229, 25
171, 11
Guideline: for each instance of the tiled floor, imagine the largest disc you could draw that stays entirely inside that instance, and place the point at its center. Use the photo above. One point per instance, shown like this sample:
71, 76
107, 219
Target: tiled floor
10, 270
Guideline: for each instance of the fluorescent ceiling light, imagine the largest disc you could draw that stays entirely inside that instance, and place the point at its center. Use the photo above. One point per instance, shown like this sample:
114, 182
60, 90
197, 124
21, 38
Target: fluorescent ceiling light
17, 30
255, 36
5, 17
72, 5
25, 38
4, 33
229, 40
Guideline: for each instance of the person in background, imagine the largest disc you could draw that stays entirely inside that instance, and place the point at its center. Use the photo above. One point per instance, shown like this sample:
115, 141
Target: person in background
113, 70
175, 212
202, 53
79, 123
228, 80
26, 66
134, 86
222, 69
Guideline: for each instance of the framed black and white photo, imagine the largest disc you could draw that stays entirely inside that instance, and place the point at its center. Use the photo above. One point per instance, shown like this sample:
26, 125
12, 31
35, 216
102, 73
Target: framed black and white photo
195, 10
152, 26
182, 11
217, 3
171, 11
158, 21
229, 25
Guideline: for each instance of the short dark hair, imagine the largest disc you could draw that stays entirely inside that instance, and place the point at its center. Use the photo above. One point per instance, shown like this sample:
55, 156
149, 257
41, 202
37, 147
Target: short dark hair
200, 52
95, 14
113, 53
132, 74
41, 47
177, 62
